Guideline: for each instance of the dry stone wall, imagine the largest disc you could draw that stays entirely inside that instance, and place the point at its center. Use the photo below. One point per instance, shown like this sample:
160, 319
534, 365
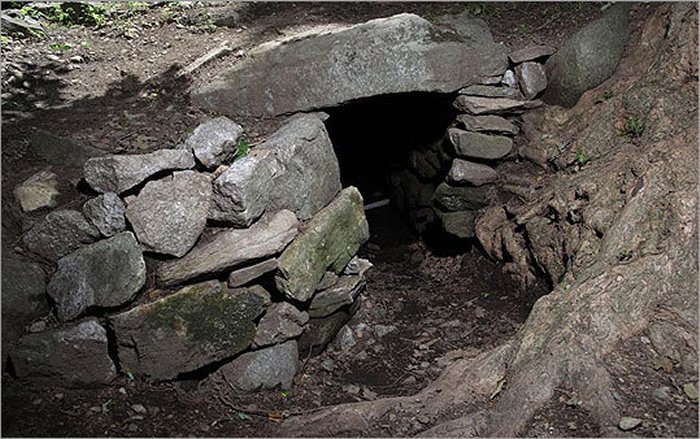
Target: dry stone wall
277, 216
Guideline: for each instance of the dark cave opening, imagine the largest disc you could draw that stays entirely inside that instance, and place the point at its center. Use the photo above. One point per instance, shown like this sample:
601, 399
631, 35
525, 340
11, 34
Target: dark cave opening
374, 136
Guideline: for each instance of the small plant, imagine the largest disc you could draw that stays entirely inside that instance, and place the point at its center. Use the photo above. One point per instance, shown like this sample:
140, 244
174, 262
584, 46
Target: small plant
286, 393
242, 149
71, 13
582, 158
4, 40
624, 255
60, 47
634, 127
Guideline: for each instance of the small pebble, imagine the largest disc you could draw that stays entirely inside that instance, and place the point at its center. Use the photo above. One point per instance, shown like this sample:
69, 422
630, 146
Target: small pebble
645, 339
58, 396
409, 380
628, 423
122, 391
328, 365
95, 409
138, 408
37, 401
37, 326
663, 393
133, 428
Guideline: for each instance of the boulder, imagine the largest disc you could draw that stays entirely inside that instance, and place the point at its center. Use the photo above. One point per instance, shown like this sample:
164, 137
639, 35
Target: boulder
307, 175
247, 274
23, 297
281, 322
169, 214
75, 356
490, 91
480, 105
475, 174
326, 302
231, 248
38, 191
478, 145
107, 273
106, 212
453, 199
530, 53
588, 58
486, 124
264, 369
532, 78
399, 54
330, 240
196, 326
214, 142
59, 233
118, 173
458, 224
242, 192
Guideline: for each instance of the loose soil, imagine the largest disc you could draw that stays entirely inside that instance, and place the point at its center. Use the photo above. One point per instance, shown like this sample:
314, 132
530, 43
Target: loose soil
424, 306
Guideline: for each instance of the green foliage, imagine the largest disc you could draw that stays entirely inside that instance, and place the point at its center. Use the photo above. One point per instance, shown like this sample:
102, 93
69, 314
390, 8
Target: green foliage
60, 47
286, 393
70, 13
582, 158
634, 127
4, 40
483, 9
242, 149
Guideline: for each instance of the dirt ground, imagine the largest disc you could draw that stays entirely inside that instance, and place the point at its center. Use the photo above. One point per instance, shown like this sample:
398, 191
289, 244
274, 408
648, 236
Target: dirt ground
116, 89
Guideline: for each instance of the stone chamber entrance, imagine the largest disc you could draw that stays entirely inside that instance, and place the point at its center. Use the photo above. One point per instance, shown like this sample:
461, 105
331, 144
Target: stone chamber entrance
499, 277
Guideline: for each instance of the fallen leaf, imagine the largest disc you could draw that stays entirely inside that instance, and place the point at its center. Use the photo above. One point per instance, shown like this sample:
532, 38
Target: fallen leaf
499, 387
691, 391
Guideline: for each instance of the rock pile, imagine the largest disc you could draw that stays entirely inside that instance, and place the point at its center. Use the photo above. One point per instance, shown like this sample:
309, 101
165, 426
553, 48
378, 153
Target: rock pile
276, 223
451, 179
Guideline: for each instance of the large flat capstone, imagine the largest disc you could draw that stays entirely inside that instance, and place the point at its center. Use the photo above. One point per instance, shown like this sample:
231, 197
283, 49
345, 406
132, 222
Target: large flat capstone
402, 53
331, 239
191, 328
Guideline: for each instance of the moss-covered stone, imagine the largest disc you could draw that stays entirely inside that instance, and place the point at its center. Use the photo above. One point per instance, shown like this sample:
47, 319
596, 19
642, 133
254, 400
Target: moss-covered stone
197, 325
331, 238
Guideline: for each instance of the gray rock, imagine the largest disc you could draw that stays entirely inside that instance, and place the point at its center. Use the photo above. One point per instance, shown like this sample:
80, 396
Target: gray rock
491, 92
18, 23
319, 332
105, 274
480, 105
398, 54
343, 293
106, 212
486, 124
357, 266
331, 238
38, 191
410, 192
232, 248
588, 58
215, 142
491, 80
477, 145
247, 274
425, 163
530, 53
74, 356
475, 174
60, 150
454, 199
532, 78
281, 322
628, 423
59, 233
117, 173
328, 280
509, 79
307, 176
169, 214
421, 218
383, 330
196, 326
23, 297
242, 192
264, 369
459, 224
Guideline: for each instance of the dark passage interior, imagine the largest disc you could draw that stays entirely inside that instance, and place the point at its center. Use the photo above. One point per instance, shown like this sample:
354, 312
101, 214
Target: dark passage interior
373, 137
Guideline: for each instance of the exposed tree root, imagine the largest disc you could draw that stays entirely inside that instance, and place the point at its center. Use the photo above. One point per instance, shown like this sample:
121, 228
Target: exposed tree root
627, 226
